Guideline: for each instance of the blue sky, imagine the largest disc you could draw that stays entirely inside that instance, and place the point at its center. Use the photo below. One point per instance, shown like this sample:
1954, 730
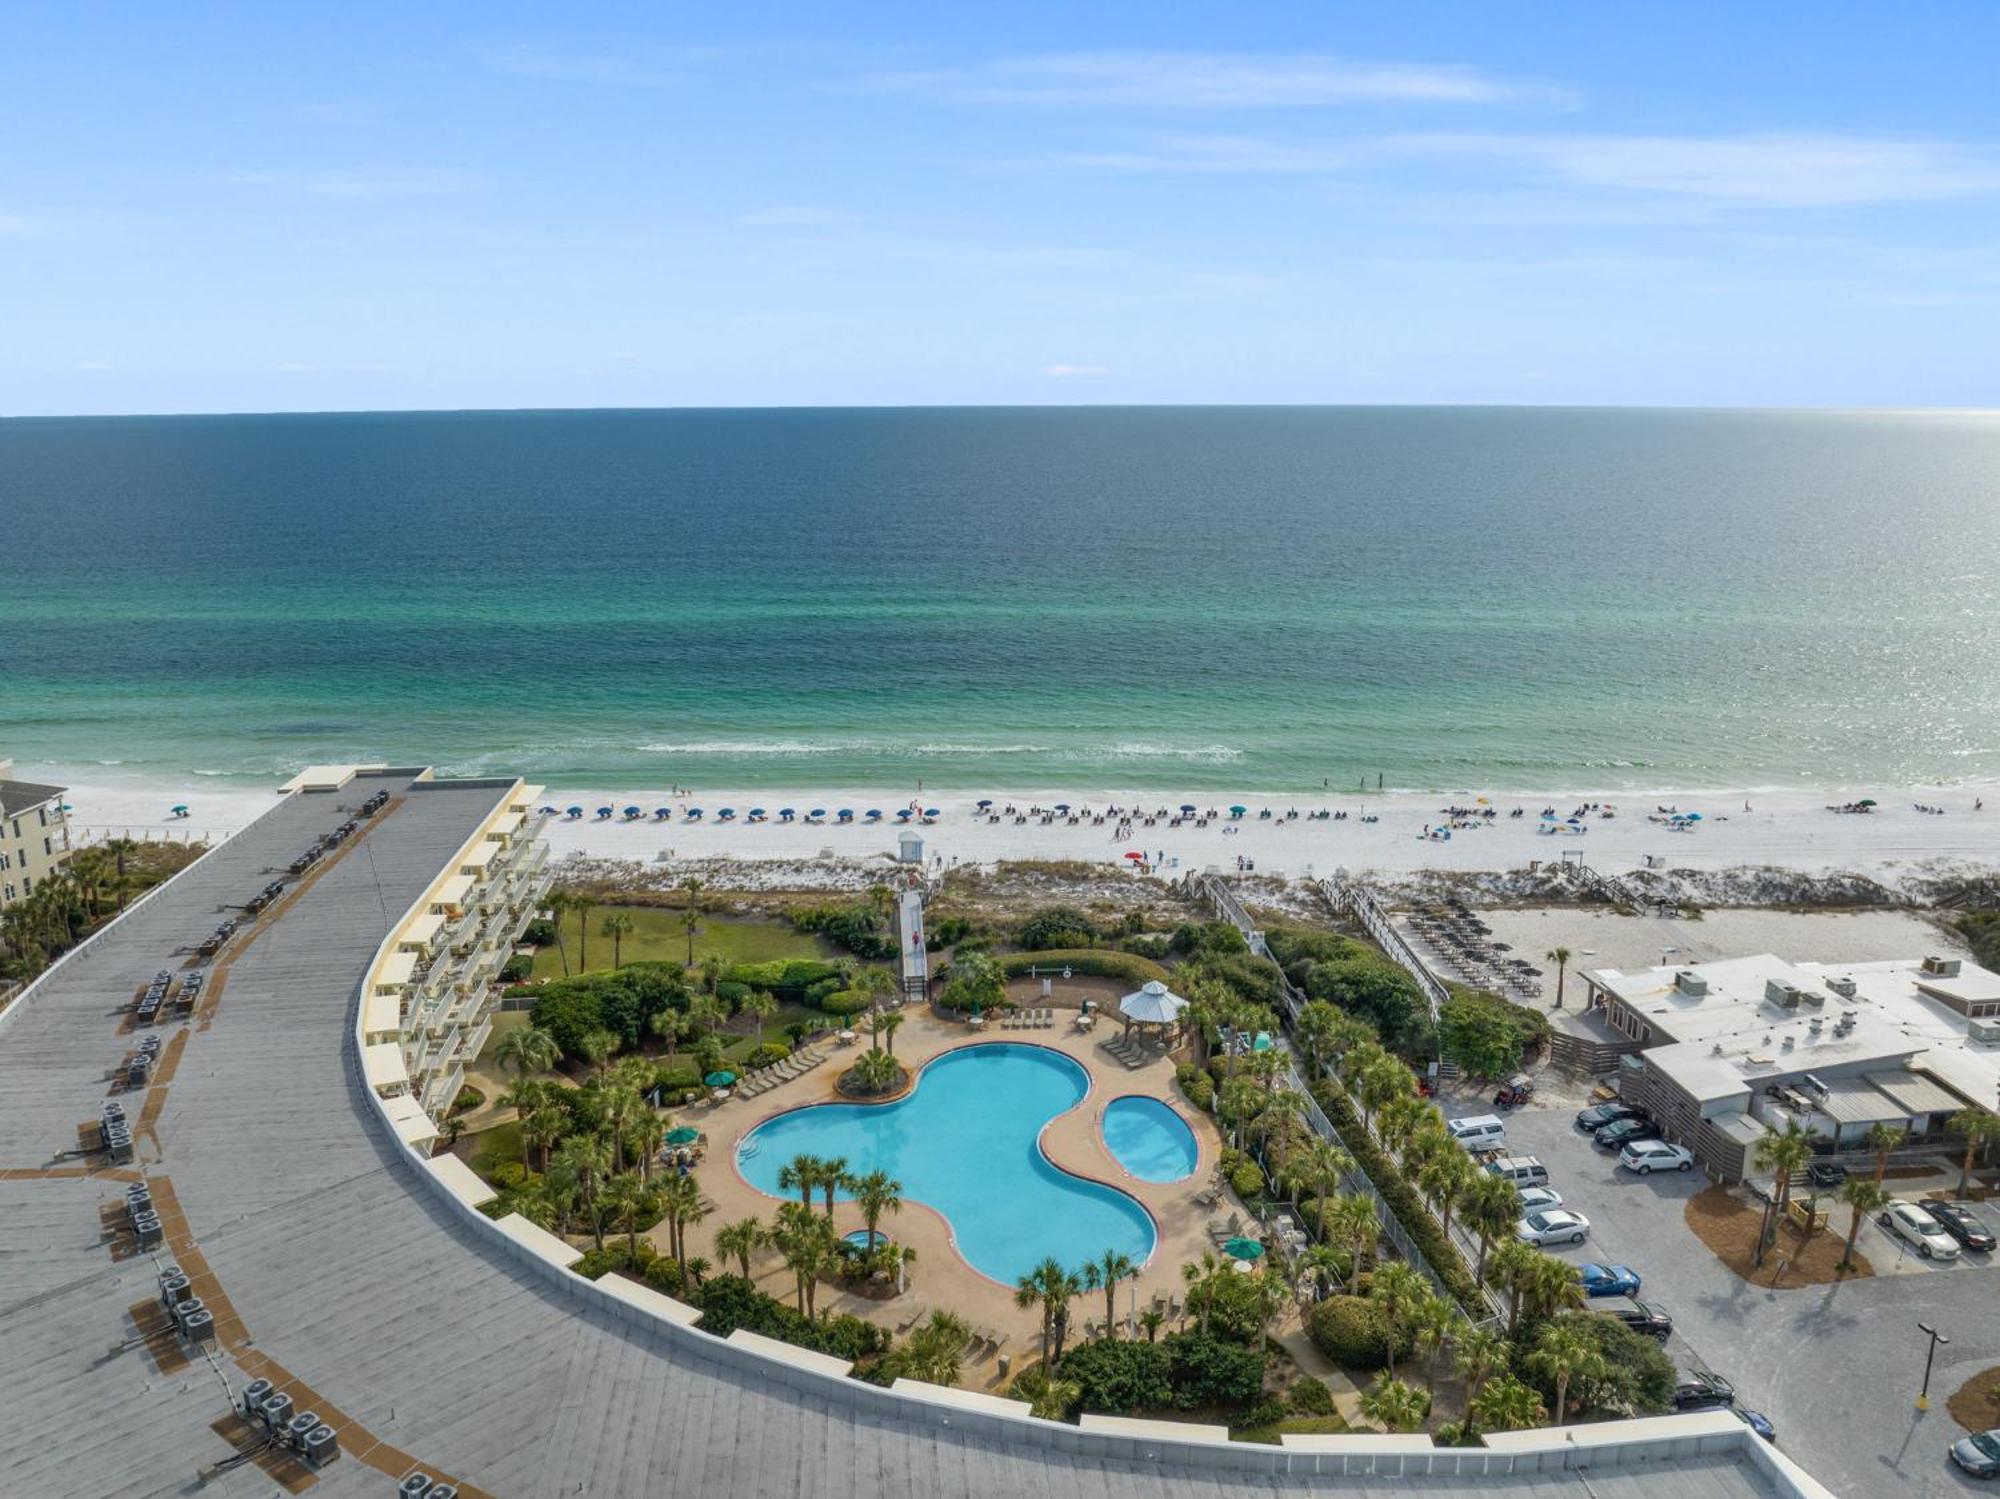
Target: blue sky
257, 207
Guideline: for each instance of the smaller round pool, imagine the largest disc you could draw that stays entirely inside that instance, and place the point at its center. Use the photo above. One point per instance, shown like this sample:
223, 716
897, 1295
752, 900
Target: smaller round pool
1150, 1140
860, 1239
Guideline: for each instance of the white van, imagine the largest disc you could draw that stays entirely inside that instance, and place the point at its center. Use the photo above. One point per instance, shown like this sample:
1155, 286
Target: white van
1480, 1132
1521, 1170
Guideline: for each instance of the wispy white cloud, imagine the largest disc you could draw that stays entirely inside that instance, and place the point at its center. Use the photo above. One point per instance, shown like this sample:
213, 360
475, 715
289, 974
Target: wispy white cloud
1217, 153
652, 67
1778, 170
796, 216
1075, 371
361, 182
1201, 80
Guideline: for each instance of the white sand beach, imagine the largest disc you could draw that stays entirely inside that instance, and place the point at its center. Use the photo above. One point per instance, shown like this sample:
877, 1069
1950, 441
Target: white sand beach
1792, 828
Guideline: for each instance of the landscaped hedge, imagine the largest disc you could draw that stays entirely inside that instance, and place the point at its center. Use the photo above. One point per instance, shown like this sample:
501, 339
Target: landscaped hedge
1094, 962
1351, 1331
770, 1053
1402, 1198
844, 1002
781, 973
728, 1302
1195, 1086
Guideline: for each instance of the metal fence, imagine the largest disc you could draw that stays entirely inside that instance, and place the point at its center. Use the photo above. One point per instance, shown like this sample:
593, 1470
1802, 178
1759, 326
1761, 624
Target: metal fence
1359, 902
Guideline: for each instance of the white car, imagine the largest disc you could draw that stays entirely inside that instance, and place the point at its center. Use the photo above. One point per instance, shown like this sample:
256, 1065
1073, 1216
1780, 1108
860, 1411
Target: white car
1555, 1226
1540, 1199
1919, 1229
1648, 1156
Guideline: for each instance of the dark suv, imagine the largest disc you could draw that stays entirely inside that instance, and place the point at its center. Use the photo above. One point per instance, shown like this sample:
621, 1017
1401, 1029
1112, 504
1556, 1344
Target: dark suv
1961, 1224
1593, 1119
1620, 1133
1642, 1316
1702, 1391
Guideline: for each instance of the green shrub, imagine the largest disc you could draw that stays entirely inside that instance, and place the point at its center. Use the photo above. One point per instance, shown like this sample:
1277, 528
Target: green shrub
1266, 1412
769, 1053
858, 927
732, 994
1309, 1397
1222, 938
1252, 979
1195, 1086
538, 933
1056, 927
1210, 1371
1246, 1180
796, 974
728, 1302
844, 1002
1487, 1035
1351, 1331
1092, 961
1121, 1378
614, 1256
469, 1098
517, 969
677, 1077
621, 1001
1154, 947
943, 932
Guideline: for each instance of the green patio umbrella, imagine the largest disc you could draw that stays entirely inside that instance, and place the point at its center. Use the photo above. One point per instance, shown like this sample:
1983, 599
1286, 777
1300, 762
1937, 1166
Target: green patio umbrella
1243, 1249
684, 1134
720, 1079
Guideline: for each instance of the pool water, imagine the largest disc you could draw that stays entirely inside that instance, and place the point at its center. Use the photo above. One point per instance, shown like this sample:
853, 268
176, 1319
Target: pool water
967, 1143
1150, 1140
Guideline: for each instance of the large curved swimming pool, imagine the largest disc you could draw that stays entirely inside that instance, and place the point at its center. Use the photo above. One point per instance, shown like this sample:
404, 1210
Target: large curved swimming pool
967, 1143
1149, 1139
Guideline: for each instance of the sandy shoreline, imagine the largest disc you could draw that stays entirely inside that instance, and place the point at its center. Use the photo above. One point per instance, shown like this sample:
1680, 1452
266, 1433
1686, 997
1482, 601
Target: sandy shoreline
1792, 829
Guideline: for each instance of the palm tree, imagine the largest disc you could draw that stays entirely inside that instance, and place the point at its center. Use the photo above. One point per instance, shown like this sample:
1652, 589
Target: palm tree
583, 905
1350, 1221
934, 1349
875, 1193
541, 1127
806, 1241
1477, 1354
1565, 1352
1433, 1324
691, 914
1511, 1263
1324, 1267
1203, 1278
1394, 1405
1051, 1287
1866, 1199
1550, 1285
1103, 1274
1784, 1154
617, 926
620, 1108
1559, 956
681, 1205
1883, 1138
832, 1177
1398, 1292
1505, 1405
598, 1047
760, 1004
801, 1174
558, 904
1492, 1208
885, 1024
587, 1160
1398, 1120
1978, 1127
628, 1200
1150, 1322
1445, 1178
741, 1239
876, 1071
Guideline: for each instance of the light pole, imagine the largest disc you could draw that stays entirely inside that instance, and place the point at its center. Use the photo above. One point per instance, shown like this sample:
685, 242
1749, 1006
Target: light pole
1936, 1337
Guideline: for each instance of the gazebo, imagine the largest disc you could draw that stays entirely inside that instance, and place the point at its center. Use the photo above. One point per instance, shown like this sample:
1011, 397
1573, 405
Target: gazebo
1152, 1003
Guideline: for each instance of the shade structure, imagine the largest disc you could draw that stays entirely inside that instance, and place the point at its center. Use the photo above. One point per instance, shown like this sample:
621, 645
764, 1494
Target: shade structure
1238, 811
1135, 856
1152, 1004
1187, 806
720, 1079
1866, 801
632, 812
691, 814
179, 807
817, 812
603, 811
683, 1134
1243, 1249
756, 811
930, 813
1062, 806
874, 814
786, 814
902, 814
1690, 817
985, 802
663, 813
575, 812
727, 814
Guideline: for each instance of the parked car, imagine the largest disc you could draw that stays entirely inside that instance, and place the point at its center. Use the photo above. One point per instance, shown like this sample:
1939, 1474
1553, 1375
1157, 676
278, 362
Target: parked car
1556, 1226
1617, 1136
1757, 1422
1978, 1454
1641, 1316
1594, 1118
1540, 1199
1521, 1170
1478, 1131
1960, 1222
1608, 1280
1648, 1156
1918, 1229
1827, 1176
1702, 1391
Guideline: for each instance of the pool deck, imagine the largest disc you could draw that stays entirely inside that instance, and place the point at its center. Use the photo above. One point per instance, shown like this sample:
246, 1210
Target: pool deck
940, 1277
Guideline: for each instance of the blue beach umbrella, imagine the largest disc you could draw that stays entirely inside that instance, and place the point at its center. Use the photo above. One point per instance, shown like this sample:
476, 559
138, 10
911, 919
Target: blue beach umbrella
663, 813
985, 802
902, 814
756, 811
931, 814
576, 811
633, 812
817, 812
691, 815
786, 814
873, 814
1062, 806
1238, 811
845, 814
725, 814
180, 809
720, 1079
1691, 817
1187, 806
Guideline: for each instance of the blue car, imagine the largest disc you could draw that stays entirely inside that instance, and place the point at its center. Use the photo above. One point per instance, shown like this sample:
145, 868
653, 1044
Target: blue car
1757, 1422
1608, 1280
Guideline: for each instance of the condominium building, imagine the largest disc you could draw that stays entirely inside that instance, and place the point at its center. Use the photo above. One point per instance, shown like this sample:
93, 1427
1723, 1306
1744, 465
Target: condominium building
34, 834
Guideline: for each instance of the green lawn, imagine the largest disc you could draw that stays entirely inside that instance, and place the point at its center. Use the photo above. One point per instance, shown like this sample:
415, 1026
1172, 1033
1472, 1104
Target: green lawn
494, 1147
1305, 1425
658, 936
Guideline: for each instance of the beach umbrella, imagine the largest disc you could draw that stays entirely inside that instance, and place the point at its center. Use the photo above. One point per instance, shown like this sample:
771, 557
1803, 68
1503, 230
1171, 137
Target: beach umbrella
786, 814
691, 814
633, 812
985, 802
576, 811
725, 814
1238, 811
1243, 1249
1187, 806
663, 813
756, 811
1062, 806
931, 814
874, 814
1866, 801
845, 814
1152, 1003
180, 809
902, 814
1691, 817
720, 1079
1135, 855
683, 1134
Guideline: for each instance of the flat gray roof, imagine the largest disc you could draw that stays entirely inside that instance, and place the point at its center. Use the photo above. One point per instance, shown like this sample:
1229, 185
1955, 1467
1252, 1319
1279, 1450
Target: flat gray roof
380, 1302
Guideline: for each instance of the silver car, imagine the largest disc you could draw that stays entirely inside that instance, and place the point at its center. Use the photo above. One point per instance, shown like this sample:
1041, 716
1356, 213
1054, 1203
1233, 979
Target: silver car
1919, 1230
1555, 1226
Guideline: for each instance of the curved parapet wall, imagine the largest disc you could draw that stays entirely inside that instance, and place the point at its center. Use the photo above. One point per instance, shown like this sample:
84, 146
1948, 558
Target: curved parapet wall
451, 1186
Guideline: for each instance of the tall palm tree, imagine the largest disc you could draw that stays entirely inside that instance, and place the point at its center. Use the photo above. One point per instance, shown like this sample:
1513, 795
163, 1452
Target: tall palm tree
587, 1159
1446, 1178
832, 1177
1564, 1353
1203, 1278
1559, 956
1394, 1405
875, 1193
760, 1004
1050, 1287
1492, 1208
1350, 1221
1865, 1199
541, 1128
1784, 1154
1103, 1274
617, 926
681, 1206
1509, 1267
801, 1174
1398, 1292
1324, 1268
1477, 1354
629, 1200
583, 904
885, 1023
691, 888
1505, 1405
619, 1108
1978, 1128
557, 903
934, 1349
528, 1049
1882, 1138
712, 970
1398, 1120
1550, 1285
598, 1047
740, 1240
1433, 1324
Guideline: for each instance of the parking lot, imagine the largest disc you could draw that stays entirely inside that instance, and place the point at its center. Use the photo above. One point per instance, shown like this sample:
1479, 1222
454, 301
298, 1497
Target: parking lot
1836, 1368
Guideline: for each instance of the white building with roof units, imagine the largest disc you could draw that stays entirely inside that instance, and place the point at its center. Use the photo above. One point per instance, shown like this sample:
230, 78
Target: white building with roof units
1720, 1050
34, 834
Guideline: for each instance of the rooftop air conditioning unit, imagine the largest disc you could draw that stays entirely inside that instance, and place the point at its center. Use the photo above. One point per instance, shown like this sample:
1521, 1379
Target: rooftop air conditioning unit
1775, 990
1984, 1030
1944, 968
1813, 997
251, 1402
1843, 985
416, 1486
1790, 998
1691, 983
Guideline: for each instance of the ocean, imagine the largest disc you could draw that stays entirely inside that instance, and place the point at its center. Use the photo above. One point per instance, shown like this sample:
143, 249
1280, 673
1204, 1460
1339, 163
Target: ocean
1255, 599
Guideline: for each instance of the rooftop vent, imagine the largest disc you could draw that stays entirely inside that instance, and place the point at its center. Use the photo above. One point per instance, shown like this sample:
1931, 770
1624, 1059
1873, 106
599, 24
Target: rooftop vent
1984, 1030
1843, 985
1691, 983
1944, 968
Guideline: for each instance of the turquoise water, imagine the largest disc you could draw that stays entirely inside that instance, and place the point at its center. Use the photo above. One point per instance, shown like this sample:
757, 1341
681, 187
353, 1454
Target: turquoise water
966, 1143
1235, 599
1149, 1139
